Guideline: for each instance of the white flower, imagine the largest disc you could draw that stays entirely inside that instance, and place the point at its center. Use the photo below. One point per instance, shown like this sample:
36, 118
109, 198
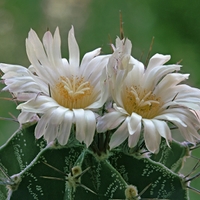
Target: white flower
145, 100
61, 92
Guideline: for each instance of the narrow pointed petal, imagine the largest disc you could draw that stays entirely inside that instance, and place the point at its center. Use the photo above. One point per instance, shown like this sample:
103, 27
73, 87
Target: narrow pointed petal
74, 54
40, 104
171, 117
134, 138
79, 116
134, 123
50, 132
37, 48
157, 60
163, 130
89, 56
109, 121
26, 117
65, 128
90, 127
56, 48
41, 126
151, 136
119, 136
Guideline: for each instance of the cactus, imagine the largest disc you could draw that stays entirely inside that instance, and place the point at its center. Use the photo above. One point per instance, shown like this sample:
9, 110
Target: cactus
34, 170
116, 158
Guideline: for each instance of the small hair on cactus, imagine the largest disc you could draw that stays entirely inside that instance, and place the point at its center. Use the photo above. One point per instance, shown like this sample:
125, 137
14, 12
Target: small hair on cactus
188, 178
73, 178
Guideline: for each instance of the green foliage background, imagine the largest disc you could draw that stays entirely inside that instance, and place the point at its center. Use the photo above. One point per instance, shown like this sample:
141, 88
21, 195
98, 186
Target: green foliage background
174, 24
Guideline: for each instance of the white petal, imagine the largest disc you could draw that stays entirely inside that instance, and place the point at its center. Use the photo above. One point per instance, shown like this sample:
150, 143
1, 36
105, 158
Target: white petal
18, 79
93, 69
193, 131
15, 69
65, 128
43, 71
109, 121
90, 127
56, 50
157, 60
41, 126
182, 112
124, 45
85, 125
135, 76
151, 136
171, 117
79, 116
189, 133
57, 115
155, 76
134, 123
119, 136
89, 56
163, 130
187, 94
50, 132
40, 104
48, 41
25, 117
120, 109
52, 47
37, 47
24, 96
119, 85
54, 119
60, 64
101, 90
189, 105
74, 54
166, 84
133, 139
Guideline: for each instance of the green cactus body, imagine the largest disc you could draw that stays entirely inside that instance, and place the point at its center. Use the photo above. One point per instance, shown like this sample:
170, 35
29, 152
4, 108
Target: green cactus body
36, 171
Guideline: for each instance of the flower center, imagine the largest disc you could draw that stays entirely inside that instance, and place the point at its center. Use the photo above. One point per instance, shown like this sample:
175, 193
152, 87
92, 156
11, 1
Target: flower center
142, 102
72, 92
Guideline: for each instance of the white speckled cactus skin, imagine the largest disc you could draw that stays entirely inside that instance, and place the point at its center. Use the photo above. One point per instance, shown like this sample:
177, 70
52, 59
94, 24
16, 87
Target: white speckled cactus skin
73, 172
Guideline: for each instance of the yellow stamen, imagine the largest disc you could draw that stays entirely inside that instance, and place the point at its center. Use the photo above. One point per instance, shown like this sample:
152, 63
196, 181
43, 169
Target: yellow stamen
142, 102
72, 92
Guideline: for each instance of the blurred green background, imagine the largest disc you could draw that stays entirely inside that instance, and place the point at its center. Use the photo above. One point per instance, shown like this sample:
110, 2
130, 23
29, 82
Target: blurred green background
174, 24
